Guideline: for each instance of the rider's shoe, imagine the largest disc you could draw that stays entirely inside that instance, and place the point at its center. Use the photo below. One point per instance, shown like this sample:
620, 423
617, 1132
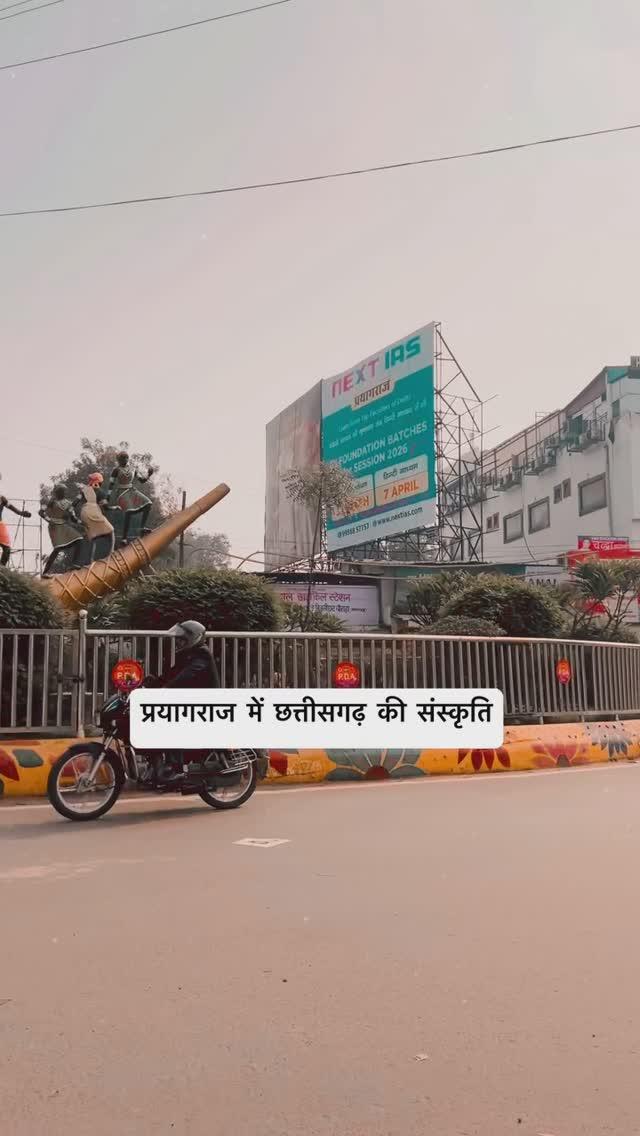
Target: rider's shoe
169, 772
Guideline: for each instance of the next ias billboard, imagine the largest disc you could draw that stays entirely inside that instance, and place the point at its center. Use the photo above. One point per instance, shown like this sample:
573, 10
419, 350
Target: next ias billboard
378, 421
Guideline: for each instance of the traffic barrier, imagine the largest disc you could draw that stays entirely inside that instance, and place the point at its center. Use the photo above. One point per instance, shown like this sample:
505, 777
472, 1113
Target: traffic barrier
24, 765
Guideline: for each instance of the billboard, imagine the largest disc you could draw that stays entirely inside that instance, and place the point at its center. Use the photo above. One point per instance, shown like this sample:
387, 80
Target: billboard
357, 605
293, 440
378, 421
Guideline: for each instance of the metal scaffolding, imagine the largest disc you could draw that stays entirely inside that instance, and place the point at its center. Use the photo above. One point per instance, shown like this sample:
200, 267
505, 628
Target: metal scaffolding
459, 449
29, 540
459, 424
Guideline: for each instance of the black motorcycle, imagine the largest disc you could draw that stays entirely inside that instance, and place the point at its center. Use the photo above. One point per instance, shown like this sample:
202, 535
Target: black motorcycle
86, 781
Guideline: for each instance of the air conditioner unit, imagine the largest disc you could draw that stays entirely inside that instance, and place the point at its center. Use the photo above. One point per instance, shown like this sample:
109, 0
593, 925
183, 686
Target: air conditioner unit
513, 478
590, 435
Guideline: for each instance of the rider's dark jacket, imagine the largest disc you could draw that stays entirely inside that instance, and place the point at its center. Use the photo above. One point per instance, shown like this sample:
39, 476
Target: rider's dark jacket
194, 668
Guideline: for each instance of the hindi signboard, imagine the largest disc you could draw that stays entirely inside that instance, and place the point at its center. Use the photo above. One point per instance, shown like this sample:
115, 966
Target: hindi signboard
357, 605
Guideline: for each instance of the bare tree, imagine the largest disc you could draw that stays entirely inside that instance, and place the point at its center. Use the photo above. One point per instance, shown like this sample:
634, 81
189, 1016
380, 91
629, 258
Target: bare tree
321, 489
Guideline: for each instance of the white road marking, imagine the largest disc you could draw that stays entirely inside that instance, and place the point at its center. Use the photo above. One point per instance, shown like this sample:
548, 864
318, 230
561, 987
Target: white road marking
261, 842
13, 804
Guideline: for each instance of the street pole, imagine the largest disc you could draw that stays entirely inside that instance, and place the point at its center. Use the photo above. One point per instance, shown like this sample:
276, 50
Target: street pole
181, 542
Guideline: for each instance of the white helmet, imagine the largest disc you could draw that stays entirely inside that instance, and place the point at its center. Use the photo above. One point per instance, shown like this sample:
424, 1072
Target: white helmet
187, 634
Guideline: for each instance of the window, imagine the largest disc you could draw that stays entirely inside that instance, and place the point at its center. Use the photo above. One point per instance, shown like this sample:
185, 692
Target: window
576, 426
513, 527
557, 494
539, 516
615, 408
592, 494
566, 487
492, 522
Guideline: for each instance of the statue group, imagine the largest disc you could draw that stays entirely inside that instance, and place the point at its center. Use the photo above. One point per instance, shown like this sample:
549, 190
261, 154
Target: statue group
96, 521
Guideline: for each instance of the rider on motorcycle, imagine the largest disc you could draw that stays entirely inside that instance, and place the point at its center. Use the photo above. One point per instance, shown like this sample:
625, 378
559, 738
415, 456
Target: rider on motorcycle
193, 669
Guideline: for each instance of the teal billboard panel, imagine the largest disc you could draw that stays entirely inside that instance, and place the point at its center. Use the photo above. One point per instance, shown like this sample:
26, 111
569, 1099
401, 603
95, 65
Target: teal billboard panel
378, 421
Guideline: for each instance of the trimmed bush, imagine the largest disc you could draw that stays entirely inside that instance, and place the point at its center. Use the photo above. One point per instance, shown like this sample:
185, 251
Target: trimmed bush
429, 594
522, 610
222, 601
465, 625
110, 613
26, 603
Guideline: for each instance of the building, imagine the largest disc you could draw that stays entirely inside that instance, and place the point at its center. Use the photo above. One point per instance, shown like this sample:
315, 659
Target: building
571, 474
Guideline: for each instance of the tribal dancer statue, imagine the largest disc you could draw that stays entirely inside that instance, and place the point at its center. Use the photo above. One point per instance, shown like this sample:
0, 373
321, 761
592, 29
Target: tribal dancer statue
97, 527
123, 491
63, 529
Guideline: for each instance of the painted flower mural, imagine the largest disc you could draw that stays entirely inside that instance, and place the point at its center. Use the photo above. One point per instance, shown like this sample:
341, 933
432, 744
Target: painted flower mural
549, 755
279, 761
486, 757
374, 765
610, 737
8, 767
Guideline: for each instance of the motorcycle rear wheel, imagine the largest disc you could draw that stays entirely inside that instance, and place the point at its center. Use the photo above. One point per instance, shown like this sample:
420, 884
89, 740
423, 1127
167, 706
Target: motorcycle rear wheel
233, 796
66, 787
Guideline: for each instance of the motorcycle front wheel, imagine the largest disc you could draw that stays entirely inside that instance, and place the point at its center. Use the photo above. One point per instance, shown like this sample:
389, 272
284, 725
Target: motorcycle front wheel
242, 786
69, 789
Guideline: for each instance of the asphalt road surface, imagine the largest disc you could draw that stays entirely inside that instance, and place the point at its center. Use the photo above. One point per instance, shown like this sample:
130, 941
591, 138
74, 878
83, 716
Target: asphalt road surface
449, 957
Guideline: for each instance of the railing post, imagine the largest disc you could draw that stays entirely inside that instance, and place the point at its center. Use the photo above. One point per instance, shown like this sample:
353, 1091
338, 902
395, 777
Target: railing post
81, 673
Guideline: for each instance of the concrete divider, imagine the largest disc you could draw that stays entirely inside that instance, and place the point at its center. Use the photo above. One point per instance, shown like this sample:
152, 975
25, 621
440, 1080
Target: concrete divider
24, 765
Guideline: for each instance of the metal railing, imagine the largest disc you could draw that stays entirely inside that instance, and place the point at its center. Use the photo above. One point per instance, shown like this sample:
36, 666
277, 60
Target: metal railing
58, 680
38, 682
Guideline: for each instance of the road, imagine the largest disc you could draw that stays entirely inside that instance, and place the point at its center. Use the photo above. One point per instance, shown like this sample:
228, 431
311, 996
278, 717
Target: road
449, 957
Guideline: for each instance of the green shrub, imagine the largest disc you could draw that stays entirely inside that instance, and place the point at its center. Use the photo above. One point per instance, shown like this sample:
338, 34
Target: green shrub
599, 633
429, 594
295, 618
25, 602
465, 625
522, 610
110, 613
221, 600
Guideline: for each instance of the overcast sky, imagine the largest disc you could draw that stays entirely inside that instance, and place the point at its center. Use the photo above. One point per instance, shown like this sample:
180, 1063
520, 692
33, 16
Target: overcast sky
183, 327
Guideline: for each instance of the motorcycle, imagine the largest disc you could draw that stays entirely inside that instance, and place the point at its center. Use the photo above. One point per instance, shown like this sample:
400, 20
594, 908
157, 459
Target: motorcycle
87, 779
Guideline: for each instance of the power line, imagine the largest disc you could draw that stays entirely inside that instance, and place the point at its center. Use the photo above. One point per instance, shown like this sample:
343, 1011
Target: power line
134, 38
19, 4
320, 177
30, 10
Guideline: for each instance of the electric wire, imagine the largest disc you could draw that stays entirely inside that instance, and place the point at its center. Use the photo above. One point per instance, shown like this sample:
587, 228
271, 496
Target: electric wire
135, 38
358, 172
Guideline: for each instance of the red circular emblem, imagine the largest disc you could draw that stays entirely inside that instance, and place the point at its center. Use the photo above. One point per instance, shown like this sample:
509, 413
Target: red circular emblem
346, 674
127, 674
